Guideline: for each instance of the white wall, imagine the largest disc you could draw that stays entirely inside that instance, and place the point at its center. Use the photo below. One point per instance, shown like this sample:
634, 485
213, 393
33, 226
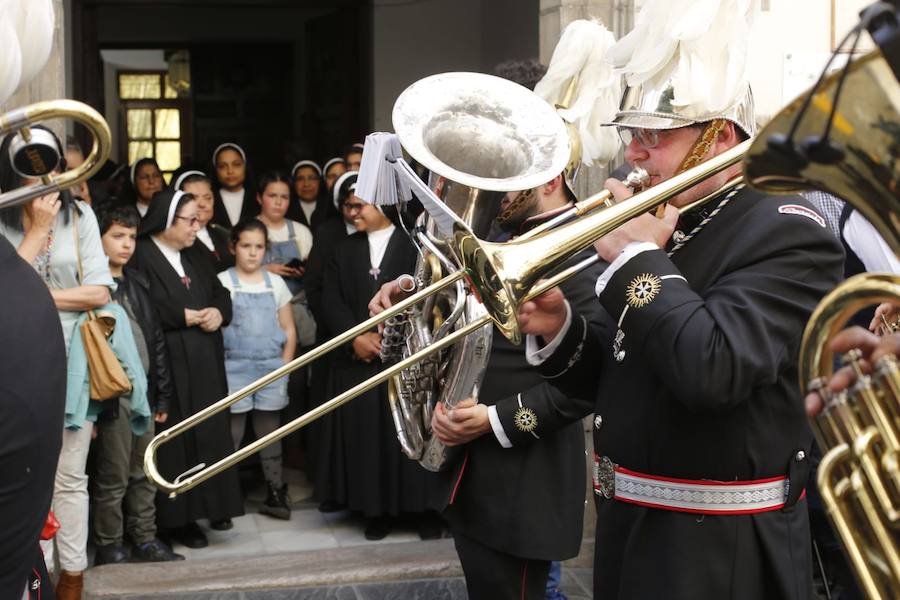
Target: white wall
411, 41
415, 40
791, 32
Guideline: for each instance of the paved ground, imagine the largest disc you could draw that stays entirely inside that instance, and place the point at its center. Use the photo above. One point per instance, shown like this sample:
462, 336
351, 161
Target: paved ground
313, 555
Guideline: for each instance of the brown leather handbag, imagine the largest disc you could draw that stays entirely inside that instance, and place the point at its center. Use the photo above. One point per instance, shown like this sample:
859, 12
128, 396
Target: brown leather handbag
107, 377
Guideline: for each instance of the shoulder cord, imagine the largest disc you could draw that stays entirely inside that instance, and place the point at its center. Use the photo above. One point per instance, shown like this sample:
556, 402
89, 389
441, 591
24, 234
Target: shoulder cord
722, 203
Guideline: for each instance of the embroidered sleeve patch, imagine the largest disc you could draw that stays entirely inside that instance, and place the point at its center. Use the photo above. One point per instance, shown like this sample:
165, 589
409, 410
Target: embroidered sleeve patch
525, 419
796, 209
642, 290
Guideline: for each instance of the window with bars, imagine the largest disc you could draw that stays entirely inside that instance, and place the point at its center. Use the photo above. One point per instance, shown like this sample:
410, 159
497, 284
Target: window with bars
153, 120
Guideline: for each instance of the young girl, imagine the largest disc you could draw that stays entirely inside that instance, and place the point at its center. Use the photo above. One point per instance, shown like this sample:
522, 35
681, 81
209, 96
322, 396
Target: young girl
260, 339
290, 241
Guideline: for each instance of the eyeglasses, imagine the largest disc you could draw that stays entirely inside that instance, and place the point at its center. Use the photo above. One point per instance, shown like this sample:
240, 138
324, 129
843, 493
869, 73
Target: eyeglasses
648, 138
191, 220
307, 178
353, 206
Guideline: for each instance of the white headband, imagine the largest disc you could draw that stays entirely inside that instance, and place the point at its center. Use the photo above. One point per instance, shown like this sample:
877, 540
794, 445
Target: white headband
306, 163
134, 168
184, 176
336, 190
173, 204
231, 145
333, 161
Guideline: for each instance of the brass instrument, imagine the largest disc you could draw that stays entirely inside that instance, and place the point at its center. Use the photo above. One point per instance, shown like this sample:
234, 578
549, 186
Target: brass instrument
499, 275
859, 429
35, 154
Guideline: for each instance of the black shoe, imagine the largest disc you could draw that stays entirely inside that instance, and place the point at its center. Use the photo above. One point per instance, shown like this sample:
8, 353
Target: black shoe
190, 535
330, 506
377, 528
431, 527
221, 524
153, 551
277, 503
110, 554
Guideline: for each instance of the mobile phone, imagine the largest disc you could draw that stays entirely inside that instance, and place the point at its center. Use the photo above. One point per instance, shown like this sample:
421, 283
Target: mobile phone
294, 263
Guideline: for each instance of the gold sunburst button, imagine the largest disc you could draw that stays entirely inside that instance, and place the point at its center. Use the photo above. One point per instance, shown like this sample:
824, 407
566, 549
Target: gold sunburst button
525, 419
642, 290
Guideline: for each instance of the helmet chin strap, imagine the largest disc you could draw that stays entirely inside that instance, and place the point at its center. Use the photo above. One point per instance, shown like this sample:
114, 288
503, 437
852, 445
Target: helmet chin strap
698, 151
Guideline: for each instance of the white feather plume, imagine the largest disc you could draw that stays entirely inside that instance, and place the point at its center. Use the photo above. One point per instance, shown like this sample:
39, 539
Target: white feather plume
34, 28
26, 39
10, 53
701, 44
582, 50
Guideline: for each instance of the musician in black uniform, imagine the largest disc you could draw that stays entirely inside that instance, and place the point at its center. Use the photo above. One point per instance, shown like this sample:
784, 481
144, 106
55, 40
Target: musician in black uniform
700, 439
515, 503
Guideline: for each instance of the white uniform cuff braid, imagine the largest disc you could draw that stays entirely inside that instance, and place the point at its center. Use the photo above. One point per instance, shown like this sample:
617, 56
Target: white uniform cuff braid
536, 355
497, 426
628, 252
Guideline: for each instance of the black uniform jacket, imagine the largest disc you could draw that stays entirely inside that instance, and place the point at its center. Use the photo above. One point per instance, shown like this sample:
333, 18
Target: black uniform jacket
707, 390
32, 407
527, 500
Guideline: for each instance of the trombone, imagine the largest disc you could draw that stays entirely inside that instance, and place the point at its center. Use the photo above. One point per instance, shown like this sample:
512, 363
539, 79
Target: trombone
36, 155
501, 275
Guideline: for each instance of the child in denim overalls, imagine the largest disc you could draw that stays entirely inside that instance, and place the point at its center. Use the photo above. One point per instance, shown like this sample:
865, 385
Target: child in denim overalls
289, 241
260, 338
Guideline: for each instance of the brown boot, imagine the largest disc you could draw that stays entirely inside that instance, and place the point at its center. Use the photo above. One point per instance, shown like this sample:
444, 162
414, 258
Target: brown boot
69, 586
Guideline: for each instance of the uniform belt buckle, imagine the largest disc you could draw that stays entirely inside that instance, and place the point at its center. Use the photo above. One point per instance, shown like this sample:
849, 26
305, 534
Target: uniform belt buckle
604, 477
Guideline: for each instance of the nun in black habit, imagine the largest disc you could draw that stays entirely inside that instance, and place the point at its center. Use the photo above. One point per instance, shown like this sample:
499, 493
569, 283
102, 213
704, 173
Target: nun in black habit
311, 204
235, 199
360, 462
192, 306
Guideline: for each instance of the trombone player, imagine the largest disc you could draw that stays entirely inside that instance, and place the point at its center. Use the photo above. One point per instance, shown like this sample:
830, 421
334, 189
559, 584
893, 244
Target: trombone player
701, 442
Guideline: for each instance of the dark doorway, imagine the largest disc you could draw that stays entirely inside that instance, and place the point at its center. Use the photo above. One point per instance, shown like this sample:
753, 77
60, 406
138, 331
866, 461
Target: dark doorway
243, 93
281, 77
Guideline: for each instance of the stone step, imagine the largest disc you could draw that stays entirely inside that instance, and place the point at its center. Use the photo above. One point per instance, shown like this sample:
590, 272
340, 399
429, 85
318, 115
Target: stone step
331, 573
413, 570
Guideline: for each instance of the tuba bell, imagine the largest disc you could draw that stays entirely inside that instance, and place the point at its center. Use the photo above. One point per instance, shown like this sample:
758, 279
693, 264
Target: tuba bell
859, 429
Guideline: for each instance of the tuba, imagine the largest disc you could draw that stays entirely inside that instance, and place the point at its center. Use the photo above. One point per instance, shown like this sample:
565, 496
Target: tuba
858, 429
475, 152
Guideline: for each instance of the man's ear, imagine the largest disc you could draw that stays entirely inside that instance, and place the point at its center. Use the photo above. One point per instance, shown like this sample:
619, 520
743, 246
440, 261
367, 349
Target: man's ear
730, 135
551, 186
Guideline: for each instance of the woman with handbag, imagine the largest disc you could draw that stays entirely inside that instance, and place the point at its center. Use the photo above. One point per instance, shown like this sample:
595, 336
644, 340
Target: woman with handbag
192, 307
50, 233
